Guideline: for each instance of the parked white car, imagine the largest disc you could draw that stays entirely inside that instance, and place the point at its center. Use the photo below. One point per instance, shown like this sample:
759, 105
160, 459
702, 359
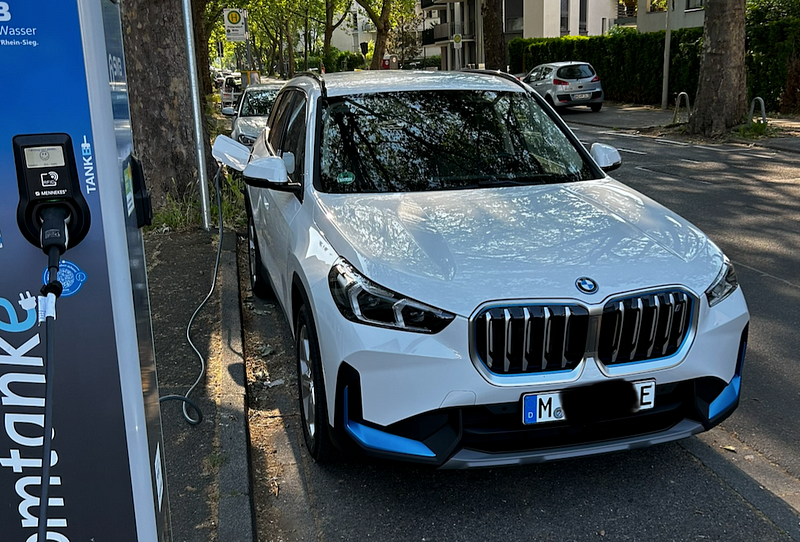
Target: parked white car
251, 114
466, 285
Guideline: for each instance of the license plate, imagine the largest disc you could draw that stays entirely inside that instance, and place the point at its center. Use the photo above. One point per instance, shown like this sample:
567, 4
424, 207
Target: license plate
547, 407
580, 96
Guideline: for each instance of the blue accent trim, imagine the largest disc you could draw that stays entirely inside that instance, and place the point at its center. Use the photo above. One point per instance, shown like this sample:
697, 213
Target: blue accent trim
726, 398
380, 440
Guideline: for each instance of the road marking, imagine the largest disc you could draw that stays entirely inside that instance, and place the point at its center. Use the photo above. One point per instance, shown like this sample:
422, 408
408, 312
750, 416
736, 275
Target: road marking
640, 168
691, 161
718, 149
623, 134
671, 142
631, 151
765, 274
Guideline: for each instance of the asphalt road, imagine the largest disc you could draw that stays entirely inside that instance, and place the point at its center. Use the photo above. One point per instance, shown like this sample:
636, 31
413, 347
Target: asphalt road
746, 200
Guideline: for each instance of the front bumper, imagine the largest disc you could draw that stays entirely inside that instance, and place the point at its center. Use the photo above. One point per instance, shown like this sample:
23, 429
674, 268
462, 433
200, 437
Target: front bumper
421, 398
493, 435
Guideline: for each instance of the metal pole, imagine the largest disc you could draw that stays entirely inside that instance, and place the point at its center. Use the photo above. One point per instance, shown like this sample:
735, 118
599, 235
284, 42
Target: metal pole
247, 40
667, 40
194, 83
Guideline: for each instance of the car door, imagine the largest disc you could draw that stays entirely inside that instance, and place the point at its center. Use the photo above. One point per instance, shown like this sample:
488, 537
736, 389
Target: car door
282, 207
259, 200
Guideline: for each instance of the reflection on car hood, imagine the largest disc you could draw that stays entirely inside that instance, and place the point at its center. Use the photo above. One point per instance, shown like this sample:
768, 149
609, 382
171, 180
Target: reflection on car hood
458, 249
251, 126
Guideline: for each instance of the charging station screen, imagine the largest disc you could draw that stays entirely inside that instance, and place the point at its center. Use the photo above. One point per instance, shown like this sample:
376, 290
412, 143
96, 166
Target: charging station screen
38, 157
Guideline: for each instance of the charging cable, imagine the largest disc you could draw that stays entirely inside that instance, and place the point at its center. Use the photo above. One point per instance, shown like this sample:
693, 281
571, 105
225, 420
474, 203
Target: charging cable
54, 239
185, 398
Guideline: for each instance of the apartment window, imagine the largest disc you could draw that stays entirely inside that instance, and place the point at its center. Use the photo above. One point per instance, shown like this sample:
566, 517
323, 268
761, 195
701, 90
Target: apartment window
564, 17
582, 18
695, 4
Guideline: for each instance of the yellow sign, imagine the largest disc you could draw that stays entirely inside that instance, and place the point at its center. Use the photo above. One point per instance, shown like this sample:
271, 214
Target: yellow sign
234, 17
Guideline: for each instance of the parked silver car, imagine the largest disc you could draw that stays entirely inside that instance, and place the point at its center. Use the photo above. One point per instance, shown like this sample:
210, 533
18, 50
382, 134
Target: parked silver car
251, 113
565, 84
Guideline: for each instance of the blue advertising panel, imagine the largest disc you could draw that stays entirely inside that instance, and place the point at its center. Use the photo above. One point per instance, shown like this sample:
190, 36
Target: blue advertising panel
45, 91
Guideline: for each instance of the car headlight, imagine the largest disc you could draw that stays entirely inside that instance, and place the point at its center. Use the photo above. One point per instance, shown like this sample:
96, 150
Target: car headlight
361, 300
724, 285
246, 140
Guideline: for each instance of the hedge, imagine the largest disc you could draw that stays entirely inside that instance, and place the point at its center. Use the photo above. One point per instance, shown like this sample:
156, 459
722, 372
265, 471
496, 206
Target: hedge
630, 63
771, 48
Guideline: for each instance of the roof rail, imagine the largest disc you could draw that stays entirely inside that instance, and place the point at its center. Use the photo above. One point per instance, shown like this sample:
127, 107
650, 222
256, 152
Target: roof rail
319, 79
499, 73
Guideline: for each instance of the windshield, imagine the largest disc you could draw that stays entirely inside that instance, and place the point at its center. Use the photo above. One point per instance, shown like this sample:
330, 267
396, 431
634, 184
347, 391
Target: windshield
576, 71
441, 140
258, 103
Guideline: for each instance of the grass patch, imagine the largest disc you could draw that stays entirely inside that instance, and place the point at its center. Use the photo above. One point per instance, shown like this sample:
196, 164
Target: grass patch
757, 130
180, 214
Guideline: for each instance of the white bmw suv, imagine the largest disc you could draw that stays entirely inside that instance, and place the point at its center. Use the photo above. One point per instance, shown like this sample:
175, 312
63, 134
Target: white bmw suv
466, 285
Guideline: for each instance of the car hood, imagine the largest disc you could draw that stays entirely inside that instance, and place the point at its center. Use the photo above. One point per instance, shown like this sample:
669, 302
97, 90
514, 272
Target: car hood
251, 126
458, 249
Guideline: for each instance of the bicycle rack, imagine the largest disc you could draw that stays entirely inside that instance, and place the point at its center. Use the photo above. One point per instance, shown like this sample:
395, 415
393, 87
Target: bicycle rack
678, 107
753, 108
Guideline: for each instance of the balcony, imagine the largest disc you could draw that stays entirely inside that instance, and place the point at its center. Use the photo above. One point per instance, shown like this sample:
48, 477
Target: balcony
445, 31
429, 4
428, 37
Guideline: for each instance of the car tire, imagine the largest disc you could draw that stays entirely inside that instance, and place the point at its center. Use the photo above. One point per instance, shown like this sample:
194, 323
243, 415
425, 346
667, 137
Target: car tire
597, 107
311, 390
258, 281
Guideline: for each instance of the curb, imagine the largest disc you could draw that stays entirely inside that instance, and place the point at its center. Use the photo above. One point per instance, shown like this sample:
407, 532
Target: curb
235, 514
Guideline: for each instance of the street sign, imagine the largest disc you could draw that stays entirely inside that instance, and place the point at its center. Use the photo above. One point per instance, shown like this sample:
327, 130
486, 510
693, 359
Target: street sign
456, 41
235, 29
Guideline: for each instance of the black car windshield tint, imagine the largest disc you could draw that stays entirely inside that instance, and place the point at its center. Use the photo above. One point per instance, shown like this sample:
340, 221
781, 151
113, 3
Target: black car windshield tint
258, 103
441, 140
576, 71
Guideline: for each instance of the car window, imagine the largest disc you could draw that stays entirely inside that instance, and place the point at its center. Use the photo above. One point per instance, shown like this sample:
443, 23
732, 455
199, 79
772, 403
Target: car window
295, 140
545, 72
258, 103
442, 140
575, 71
535, 74
278, 118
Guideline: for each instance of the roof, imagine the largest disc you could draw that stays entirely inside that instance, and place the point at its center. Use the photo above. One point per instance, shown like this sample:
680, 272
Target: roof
369, 82
566, 63
268, 84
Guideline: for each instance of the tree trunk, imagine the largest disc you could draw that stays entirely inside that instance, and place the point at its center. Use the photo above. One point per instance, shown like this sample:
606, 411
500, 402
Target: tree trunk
201, 47
382, 28
160, 99
290, 45
721, 92
493, 41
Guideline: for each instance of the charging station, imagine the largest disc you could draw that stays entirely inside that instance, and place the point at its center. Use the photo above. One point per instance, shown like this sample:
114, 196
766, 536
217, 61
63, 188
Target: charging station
77, 381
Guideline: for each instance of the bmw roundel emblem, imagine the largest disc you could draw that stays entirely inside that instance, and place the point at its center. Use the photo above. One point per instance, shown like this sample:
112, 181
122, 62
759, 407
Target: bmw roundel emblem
586, 285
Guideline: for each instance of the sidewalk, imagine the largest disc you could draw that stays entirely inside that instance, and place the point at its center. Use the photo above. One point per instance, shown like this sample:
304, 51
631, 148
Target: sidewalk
207, 467
646, 118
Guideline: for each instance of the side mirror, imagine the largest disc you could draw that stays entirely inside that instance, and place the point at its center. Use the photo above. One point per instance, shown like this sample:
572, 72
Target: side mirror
229, 111
288, 159
270, 172
231, 153
606, 156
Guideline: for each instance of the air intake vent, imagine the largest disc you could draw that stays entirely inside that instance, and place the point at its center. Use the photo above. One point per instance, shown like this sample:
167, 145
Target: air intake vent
531, 339
644, 327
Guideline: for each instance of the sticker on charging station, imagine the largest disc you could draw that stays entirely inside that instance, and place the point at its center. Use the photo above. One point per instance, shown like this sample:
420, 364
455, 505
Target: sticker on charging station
70, 276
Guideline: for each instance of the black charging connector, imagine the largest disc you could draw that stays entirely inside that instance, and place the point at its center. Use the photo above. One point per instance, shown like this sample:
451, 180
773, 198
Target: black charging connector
54, 239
